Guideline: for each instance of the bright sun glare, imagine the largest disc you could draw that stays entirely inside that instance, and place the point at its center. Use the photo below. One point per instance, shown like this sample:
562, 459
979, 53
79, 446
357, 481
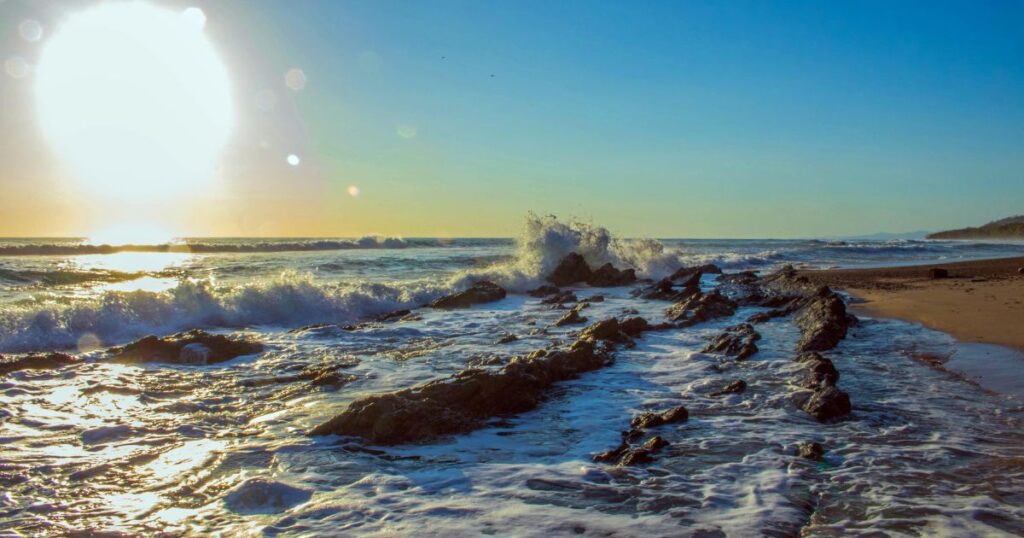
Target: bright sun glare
135, 100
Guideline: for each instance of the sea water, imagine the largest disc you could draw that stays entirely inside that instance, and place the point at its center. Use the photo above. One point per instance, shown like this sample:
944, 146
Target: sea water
210, 449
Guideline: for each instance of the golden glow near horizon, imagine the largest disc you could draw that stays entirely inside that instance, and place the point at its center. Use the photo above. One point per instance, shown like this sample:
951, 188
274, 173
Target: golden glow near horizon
134, 100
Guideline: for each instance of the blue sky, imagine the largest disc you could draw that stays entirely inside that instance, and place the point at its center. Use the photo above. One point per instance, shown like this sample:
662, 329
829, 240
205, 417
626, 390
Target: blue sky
740, 119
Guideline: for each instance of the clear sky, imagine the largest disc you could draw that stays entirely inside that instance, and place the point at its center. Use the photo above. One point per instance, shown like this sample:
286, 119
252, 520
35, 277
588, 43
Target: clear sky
665, 119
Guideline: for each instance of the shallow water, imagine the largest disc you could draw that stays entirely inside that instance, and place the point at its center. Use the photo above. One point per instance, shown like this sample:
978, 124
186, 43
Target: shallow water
215, 449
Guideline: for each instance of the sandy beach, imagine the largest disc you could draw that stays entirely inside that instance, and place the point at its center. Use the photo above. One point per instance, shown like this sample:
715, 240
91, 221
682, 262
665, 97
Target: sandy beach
981, 301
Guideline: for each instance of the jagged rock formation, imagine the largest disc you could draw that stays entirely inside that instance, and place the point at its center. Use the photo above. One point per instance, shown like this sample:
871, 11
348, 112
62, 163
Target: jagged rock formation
479, 293
736, 341
189, 347
48, 361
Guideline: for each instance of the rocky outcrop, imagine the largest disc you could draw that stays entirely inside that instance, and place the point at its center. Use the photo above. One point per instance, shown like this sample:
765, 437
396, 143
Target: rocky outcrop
687, 272
190, 347
462, 402
736, 387
48, 361
629, 454
571, 270
571, 317
817, 372
617, 332
479, 293
823, 321
665, 289
828, 403
701, 307
608, 276
737, 341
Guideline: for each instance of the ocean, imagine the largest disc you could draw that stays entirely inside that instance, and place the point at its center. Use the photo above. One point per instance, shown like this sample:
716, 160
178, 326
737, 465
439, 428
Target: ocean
216, 449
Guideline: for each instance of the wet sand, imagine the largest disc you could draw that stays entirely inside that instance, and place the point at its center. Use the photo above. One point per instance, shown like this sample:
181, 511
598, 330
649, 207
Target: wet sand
981, 301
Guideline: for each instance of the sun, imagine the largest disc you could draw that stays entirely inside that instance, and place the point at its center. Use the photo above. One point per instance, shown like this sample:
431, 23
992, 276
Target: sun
135, 100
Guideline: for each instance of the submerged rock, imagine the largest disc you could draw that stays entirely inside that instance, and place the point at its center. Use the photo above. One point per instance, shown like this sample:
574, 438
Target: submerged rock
48, 361
828, 403
571, 270
735, 387
479, 293
461, 403
701, 307
507, 338
560, 298
811, 451
263, 496
653, 420
189, 347
737, 341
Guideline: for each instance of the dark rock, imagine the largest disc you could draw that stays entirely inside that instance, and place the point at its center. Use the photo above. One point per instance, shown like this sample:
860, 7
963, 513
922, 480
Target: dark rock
393, 316
823, 321
613, 454
48, 361
735, 387
461, 403
818, 371
571, 317
653, 420
1020, 270
544, 291
507, 338
737, 341
571, 270
595, 299
828, 403
643, 453
811, 451
634, 326
608, 276
560, 298
190, 347
479, 293
686, 272
664, 290
938, 272
701, 307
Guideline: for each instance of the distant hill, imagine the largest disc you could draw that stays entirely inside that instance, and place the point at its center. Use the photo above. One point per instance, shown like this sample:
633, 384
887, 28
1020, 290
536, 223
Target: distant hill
1008, 228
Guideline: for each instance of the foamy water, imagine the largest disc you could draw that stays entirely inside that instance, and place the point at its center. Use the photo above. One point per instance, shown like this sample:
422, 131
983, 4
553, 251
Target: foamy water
205, 449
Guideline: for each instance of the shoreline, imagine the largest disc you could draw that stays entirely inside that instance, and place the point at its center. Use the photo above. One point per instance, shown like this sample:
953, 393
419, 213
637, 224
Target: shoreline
980, 304
982, 301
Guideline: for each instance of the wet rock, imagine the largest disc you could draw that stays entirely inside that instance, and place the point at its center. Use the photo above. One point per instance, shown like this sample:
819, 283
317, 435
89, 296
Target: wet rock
571, 317
737, 341
735, 387
687, 272
595, 299
48, 361
544, 291
394, 316
828, 403
818, 371
479, 293
653, 420
634, 326
938, 272
811, 451
788, 308
561, 298
571, 270
643, 454
608, 276
462, 402
263, 496
507, 338
665, 290
701, 307
614, 331
189, 347
823, 321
